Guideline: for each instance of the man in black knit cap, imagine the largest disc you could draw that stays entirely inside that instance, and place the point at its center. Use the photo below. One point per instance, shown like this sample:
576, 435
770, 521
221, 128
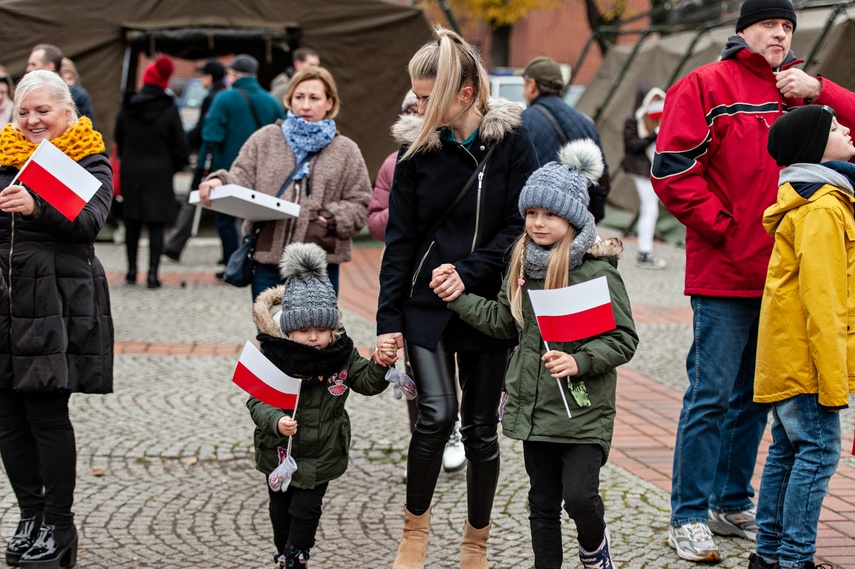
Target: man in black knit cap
712, 171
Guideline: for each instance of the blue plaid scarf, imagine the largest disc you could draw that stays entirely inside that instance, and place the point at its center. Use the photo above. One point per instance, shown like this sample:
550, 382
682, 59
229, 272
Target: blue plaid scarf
305, 137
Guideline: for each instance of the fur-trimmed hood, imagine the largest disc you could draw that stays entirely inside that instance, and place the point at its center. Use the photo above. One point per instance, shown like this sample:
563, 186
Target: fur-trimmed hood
268, 304
500, 118
611, 247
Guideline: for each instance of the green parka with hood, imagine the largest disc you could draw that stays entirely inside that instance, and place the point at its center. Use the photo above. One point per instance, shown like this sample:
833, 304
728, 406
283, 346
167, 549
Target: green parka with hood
322, 443
534, 409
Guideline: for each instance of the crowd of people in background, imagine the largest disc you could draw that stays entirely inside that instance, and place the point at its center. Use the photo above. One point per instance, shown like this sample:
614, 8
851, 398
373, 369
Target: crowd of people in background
481, 204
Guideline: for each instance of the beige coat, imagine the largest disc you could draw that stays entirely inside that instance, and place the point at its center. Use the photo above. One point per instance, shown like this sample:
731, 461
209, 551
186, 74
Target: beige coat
339, 183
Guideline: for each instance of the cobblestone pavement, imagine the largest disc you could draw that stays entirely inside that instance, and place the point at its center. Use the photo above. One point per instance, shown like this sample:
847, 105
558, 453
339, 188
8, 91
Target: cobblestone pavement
166, 474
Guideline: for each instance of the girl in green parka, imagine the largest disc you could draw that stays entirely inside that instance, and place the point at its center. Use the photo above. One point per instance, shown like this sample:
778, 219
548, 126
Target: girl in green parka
563, 455
300, 332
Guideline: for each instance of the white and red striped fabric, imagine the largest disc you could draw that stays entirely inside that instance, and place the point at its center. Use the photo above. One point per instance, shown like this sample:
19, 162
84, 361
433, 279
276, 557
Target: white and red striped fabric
259, 377
62, 182
574, 312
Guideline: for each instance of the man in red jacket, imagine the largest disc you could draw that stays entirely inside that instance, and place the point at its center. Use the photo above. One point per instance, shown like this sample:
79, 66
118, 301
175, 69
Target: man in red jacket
712, 171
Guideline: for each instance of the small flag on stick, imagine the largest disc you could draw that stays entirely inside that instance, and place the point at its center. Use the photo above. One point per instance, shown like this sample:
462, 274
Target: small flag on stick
574, 312
259, 377
62, 182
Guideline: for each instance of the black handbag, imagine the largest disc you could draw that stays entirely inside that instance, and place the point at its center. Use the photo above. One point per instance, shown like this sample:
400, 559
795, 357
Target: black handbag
239, 267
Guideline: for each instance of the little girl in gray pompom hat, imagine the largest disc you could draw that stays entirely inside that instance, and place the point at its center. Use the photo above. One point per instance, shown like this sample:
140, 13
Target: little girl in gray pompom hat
301, 333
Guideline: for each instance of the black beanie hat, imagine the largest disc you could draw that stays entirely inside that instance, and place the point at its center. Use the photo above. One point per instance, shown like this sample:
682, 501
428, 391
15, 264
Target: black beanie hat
754, 11
800, 135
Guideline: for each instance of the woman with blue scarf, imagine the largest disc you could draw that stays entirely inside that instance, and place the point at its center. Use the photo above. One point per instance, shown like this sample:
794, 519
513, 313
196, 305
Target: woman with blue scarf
329, 179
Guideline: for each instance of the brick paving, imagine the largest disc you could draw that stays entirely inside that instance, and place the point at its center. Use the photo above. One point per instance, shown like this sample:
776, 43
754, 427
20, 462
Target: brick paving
166, 475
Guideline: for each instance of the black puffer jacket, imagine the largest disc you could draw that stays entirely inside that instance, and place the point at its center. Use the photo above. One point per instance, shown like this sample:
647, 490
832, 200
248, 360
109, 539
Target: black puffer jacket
56, 331
476, 236
153, 147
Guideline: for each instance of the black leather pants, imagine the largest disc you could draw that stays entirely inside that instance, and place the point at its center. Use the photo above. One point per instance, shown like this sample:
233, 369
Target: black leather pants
481, 375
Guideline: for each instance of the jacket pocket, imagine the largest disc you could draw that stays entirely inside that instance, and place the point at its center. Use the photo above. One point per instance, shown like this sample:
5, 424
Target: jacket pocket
344, 438
419, 268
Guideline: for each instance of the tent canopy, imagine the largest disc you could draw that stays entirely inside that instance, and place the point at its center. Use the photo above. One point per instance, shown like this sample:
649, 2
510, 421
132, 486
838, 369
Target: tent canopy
366, 44
827, 33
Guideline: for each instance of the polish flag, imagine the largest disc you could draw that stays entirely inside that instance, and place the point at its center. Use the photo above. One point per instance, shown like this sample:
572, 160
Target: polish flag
259, 377
62, 182
574, 312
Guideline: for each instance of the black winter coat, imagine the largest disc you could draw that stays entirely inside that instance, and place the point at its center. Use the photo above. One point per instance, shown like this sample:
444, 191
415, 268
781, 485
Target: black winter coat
476, 237
153, 147
56, 331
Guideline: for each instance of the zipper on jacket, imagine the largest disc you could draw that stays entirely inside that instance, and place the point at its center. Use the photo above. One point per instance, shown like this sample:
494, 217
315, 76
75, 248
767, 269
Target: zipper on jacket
419, 268
478, 209
11, 250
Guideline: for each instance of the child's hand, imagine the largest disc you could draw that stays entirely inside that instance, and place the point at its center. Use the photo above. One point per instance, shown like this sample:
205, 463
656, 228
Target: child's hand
287, 426
560, 364
446, 282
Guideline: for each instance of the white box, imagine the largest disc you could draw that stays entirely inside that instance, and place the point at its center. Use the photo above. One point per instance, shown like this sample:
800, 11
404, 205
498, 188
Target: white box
248, 204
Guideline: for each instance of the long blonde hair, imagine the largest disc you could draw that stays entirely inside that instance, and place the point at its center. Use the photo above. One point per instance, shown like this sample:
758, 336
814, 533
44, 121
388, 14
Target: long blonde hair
557, 271
452, 63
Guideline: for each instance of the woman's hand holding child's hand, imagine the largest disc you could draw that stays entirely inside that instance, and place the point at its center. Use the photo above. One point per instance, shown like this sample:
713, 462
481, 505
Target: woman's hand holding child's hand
387, 353
560, 364
287, 426
446, 282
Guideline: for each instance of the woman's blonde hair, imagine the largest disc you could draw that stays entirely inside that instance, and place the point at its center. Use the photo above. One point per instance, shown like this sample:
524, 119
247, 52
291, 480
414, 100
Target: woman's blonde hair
452, 64
557, 271
321, 74
49, 81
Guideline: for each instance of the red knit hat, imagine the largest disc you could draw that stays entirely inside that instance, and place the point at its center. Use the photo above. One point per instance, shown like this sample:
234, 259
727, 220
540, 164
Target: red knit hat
159, 72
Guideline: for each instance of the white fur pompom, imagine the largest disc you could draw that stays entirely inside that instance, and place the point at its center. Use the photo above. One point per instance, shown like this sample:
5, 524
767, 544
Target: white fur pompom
304, 261
584, 156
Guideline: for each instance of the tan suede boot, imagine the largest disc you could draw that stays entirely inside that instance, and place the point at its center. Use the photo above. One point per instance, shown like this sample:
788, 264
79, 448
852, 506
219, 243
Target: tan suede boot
413, 547
473, 547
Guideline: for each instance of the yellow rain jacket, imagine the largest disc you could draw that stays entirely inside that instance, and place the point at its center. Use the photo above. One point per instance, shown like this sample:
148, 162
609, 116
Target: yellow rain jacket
806, 340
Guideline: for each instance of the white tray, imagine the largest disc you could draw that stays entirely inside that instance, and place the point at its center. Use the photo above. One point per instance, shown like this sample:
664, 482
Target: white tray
248, 204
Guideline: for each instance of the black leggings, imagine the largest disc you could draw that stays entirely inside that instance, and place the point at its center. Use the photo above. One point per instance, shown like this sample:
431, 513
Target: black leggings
295, 515
481, 376
38, 450
563, 472
133, 231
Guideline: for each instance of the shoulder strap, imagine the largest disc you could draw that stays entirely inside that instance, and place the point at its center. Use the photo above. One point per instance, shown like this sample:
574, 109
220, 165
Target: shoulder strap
479, 170
251, 107
290, 178
555, 126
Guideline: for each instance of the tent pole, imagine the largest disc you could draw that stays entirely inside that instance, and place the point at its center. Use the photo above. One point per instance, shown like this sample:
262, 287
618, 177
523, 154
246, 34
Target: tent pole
619, 78
452, 21
686, 55
583, 54
820, 39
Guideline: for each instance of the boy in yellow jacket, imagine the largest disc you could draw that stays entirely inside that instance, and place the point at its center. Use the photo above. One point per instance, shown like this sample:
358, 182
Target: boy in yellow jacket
805, 348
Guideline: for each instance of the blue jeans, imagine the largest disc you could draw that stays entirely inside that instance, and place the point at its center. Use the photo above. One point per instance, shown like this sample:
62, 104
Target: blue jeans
720, 425
804, 454
266, 276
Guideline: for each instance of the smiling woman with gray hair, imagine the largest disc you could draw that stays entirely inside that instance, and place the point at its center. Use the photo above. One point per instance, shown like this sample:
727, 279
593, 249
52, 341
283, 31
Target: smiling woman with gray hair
56, 332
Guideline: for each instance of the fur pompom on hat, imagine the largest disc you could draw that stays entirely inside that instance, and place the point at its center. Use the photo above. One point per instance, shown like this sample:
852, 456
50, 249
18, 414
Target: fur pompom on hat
309, 300
562, 188
159, 72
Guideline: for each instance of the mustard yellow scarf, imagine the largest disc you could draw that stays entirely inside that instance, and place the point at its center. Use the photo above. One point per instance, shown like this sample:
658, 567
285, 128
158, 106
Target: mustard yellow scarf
77, 142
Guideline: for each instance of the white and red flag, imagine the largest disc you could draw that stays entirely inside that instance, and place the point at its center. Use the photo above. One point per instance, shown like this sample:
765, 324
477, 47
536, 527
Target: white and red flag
259, 377
574, 312
62, 182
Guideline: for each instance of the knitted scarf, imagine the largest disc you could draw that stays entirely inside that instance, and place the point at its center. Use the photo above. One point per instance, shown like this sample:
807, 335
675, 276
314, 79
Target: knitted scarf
77, 142
304, 137
304, 362
536, 260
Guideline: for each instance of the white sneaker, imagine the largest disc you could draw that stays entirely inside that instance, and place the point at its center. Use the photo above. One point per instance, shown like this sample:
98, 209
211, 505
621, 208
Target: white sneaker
694, 542
454, 456
735, 524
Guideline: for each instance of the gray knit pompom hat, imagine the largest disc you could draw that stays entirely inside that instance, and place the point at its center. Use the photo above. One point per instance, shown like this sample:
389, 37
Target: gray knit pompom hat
562, 188
309, 300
